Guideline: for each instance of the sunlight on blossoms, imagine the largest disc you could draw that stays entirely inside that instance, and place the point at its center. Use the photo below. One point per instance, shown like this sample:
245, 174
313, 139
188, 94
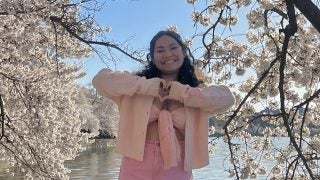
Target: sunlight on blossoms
172, 28
191, 1
275, 97
187, 42
41, 119
256, 19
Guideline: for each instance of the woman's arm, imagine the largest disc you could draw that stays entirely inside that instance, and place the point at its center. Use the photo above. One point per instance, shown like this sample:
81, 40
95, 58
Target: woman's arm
215, 99
116, 84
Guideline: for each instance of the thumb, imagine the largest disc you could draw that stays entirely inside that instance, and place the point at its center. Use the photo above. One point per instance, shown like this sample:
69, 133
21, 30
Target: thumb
164, 98
161, 99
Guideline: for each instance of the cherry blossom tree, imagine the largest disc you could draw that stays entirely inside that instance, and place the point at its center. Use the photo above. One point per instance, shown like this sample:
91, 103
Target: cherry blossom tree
41, 120
280, 51
39, 115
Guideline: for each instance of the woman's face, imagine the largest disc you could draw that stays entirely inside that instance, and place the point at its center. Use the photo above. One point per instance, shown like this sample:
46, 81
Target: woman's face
168, 55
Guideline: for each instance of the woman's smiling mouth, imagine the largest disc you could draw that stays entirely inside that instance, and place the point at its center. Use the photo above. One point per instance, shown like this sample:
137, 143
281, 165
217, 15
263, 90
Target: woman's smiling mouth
169, 61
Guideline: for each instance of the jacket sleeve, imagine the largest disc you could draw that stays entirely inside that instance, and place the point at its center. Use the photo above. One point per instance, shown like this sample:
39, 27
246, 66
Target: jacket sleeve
113, 85
215, 99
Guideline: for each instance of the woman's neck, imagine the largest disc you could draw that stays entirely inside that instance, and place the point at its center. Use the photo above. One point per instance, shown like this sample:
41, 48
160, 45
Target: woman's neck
169, 77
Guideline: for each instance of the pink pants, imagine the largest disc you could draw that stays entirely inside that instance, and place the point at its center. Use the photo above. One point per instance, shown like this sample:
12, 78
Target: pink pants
152, 168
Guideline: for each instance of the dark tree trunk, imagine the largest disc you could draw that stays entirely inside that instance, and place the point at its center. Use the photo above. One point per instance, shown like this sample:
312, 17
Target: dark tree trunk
310, 11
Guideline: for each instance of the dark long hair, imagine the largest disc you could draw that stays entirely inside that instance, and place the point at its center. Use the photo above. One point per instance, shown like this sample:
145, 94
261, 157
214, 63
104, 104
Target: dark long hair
186, 73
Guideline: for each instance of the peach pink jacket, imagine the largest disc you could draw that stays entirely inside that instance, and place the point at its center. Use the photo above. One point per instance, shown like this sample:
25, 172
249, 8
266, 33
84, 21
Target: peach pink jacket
134, 97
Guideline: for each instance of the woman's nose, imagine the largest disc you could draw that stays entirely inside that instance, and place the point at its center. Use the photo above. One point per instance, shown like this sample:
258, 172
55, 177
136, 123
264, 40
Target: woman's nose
167, 53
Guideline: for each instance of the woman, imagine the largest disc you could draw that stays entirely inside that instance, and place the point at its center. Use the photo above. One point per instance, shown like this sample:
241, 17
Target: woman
163, 126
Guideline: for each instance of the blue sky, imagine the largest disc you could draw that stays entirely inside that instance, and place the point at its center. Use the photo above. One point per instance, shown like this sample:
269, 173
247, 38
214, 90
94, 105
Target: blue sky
136, 22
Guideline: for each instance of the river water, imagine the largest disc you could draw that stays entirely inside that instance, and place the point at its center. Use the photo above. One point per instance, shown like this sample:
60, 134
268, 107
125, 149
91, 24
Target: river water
102, 163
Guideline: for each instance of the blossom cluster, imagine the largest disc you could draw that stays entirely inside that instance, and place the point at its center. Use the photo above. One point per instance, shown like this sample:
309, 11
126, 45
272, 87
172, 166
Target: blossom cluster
42, 119
268, 104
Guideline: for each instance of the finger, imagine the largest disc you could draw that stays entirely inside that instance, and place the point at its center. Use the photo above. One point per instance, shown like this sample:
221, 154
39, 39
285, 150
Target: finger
168, 84
161, 99
166, 91
161, 92
169, 87
164, 99
163, 82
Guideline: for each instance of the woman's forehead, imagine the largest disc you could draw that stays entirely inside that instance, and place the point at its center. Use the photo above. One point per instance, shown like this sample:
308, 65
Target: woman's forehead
166, 40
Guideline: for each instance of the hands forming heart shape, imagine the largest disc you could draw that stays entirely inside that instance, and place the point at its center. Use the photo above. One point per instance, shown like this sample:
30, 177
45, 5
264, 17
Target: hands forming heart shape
162, 99
163, 91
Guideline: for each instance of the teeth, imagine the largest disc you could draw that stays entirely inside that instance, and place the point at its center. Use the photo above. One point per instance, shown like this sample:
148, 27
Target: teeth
167, 62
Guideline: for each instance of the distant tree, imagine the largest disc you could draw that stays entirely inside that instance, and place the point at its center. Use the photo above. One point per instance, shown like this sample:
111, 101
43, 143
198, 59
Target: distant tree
90, 124
105, 113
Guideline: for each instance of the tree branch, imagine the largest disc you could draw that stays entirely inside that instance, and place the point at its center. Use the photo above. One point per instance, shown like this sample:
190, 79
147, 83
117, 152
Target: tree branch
310, 11
289, 31
67, 27
2, 117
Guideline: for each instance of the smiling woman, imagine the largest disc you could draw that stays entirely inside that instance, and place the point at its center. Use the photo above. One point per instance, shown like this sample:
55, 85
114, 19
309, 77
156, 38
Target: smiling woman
168, 56
167, 46
161, 111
